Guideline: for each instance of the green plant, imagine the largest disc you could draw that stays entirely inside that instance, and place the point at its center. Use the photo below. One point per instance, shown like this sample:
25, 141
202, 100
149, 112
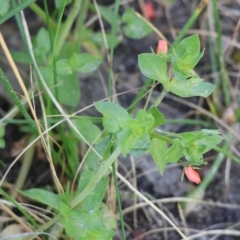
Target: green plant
55, 53
134, 135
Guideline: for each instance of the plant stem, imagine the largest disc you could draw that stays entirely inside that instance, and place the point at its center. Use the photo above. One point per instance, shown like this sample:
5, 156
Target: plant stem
119, 202
65, 30
220, 56
42, 14
189, 23
99, 174
15, 99
15, 10
113, 33
160, 98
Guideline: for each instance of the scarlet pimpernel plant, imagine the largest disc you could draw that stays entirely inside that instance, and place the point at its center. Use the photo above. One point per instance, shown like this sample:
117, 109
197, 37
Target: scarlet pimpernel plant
134, 135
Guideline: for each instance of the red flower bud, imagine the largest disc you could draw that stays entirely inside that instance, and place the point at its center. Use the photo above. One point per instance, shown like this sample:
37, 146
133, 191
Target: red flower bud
149, 11
162, 47
192, 175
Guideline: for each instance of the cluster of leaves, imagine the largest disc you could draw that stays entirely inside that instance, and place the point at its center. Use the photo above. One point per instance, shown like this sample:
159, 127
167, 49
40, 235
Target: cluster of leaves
182, 59
136, 135
91, 219
132, 134
64, 84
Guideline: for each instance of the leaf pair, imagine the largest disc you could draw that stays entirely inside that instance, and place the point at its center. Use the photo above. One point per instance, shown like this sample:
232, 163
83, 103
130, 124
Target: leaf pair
89, 219
191, 145
184, 57
132, 133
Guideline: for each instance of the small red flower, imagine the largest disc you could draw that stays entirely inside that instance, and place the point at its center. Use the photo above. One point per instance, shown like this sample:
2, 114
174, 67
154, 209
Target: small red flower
149, 11
192, 175
162, 47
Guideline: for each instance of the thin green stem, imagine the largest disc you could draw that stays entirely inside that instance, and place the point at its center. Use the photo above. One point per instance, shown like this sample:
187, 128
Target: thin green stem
160, 98
99, 174
223, 71
66, 27
19, 207
80, 25
26, 164
42, 14
16, 10
119, 202
140, 95
189, 23
113, 33
17, 102
149, 95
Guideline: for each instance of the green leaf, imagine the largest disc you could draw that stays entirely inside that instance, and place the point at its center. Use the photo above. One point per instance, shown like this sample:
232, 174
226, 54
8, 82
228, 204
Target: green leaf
64, 67
154, 67
15, 10
78, 221
190, 44
161, 156
157, 148
113, 114
68, 90
5, 5
93, 161
64, 209
107, 216
67, 49
94, 199
142, 144
89, 130
134, 126
84, 62
159, 118
2, 143
185, 57
50, 199
97, 38
108, 14
196, 59
135, 27
182, 67
98, 234
21, 57
126, 141
145, 119
61, 3
191, 88
195, 144
47, 75
200, 142
2, 131
43, 41
193, 156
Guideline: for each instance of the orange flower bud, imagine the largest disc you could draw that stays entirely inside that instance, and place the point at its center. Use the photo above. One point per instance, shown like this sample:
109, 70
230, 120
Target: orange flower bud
162, 47
192, 175
149, 11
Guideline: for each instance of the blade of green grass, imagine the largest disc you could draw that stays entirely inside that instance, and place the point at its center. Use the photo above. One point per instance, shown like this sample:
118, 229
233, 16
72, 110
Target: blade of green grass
189, 23
66, 27
223, 71
16, 100
19, 207
15, 10
42, 14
